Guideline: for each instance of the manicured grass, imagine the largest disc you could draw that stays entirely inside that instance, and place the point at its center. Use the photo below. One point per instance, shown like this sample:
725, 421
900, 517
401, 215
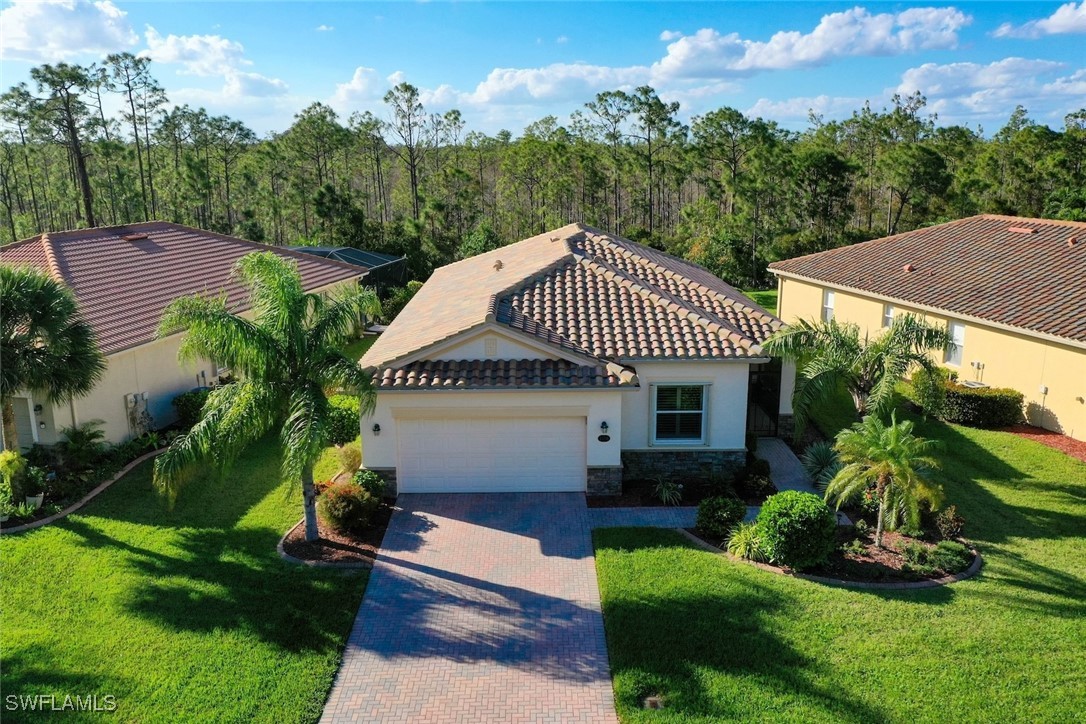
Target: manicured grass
767, 299
183, 614
723, 640
357, 348
328, 463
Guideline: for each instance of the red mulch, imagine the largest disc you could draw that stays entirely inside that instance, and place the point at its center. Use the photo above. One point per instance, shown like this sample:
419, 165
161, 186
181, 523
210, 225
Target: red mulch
337, 548
1054, 440
882, 565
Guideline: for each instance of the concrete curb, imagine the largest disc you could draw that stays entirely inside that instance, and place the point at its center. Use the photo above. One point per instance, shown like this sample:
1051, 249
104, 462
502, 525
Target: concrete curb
973, 570
314, 564
84, 500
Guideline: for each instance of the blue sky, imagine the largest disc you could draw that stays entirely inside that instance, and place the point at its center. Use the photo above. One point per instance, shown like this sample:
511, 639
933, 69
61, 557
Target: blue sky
506, 64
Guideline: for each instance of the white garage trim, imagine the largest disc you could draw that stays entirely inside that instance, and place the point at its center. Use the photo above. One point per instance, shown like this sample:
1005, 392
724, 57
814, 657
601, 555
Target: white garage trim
491, 454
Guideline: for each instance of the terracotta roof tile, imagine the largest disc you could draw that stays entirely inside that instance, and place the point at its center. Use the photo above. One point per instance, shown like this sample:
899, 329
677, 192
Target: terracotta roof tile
123, 286
979, 266
511, 374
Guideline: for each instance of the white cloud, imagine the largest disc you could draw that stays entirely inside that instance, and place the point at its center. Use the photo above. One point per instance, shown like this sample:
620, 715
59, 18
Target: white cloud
555, 82
54, 30
1071, 85
668, 35
1068, 18
252, 85
856, 32
364, 88
799, 108
203, 55
325, 28
562, 39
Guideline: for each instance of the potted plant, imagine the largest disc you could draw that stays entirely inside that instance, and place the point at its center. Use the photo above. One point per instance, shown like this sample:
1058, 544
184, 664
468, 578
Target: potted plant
33, 485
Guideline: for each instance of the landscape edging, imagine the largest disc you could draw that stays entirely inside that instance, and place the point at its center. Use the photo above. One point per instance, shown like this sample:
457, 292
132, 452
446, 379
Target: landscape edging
314, 564
973, 569
82, 501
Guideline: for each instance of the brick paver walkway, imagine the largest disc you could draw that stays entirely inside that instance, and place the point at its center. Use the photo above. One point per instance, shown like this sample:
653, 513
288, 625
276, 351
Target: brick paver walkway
480, 608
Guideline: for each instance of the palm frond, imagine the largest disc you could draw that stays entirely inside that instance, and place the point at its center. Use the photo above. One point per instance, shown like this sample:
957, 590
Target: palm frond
335, 322
304, 434
214, 332
279, 302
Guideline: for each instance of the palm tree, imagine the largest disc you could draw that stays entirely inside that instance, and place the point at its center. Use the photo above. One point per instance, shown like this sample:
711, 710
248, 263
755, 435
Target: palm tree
45, 347
893, 459
830, 354
285, 358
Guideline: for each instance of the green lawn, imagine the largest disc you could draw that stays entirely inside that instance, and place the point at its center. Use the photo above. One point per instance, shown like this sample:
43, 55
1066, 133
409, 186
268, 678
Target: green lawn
723, 640
357, 348
767, 299
182, 614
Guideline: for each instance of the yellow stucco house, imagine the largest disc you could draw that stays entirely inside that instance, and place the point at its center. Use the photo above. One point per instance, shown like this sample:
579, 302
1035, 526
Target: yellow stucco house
122, 278
1012, 292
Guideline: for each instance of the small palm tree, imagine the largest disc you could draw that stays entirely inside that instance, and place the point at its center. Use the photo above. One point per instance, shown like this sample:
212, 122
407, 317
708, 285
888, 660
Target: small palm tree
893, 459
44, 345
285, 359
830, 354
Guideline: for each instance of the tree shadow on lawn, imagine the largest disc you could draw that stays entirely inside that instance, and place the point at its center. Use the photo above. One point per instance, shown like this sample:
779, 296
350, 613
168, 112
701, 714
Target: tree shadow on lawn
26, 676
672, 642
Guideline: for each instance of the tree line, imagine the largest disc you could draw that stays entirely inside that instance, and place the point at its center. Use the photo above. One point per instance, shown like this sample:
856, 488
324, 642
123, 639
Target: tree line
727, 191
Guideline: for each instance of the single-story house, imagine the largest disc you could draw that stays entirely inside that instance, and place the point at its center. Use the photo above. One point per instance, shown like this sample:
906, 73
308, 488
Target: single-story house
1012, 292
123, 277
381, 271
558, 362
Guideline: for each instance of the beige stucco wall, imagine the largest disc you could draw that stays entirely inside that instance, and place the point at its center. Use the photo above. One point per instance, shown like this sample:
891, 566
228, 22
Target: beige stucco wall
1006, 358
596, 406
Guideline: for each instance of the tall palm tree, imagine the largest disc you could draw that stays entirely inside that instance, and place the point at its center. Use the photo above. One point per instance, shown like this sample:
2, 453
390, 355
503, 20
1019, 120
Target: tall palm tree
896, 461
830, 354
45, 347
285, 358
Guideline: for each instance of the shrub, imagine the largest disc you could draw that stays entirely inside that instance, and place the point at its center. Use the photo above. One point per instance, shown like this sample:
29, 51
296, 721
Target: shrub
745, 542
190, 405
344, 424
347, 508
947, 556
398, 299
928, 390
371, 482
350, 457
83, 446
950, 523
667, 491
854, 547
982, 406
12, 468
717, 516
821, 463
797, 529
753, 480
862, 527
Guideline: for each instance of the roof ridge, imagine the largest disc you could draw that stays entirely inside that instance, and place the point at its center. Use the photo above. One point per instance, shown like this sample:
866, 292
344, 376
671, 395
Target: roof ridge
51, 258
1029, 220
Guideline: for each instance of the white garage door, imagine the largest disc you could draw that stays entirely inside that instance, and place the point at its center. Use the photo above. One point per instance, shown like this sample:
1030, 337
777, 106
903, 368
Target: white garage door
461, 455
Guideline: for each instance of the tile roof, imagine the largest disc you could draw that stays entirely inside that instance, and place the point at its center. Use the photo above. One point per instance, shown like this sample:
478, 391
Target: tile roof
1021, 272
124, 276
584, 292
512, 374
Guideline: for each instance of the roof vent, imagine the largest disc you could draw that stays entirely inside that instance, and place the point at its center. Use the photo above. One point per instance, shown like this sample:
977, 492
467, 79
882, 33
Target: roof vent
498, 265
1021, 230
1072, 241
909, 268
135, 237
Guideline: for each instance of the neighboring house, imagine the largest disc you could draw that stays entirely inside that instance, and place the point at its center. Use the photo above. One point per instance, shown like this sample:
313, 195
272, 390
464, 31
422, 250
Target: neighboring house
1011, 291
382, 271
553, 363
123, 277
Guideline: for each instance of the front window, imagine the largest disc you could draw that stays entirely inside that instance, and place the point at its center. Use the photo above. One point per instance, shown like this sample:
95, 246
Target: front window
680, 413
827, 305
887, 315
953, 354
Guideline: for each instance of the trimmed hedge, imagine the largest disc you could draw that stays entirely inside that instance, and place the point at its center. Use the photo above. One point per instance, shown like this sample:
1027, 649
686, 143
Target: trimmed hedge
718, 516
982, 406
796, 529
190, 405
344, 425
347, 508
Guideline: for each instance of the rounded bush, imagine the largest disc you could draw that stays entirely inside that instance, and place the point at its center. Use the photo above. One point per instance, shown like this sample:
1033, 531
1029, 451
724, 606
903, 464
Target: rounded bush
371, 482
717, 516
344, 424
982, 406
796, 529
347, 508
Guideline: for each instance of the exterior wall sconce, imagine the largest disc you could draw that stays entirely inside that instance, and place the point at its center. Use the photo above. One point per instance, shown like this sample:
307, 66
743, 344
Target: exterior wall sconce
603, 427
41, 425
37, 409
376, 430
604, 437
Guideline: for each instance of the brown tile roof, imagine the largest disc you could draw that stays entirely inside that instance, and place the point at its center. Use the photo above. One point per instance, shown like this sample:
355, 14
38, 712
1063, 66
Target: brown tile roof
588, 293
1021, 272
123, 284
512, 374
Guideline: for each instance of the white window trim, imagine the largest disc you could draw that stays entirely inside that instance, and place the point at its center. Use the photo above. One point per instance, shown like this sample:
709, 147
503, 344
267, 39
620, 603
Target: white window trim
948, 354
888, 319
705, 406
829, 303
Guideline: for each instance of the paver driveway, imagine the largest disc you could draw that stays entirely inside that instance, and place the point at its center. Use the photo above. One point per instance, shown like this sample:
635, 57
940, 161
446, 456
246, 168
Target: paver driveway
480, 608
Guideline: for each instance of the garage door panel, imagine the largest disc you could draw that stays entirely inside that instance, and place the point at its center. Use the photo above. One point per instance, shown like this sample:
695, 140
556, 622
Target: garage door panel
491, 455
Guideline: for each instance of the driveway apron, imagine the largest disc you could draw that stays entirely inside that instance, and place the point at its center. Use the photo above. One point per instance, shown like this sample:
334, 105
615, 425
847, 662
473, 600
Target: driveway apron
480, 608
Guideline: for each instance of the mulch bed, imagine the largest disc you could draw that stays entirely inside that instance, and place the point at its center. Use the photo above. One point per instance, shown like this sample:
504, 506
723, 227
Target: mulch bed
1063, 443
338, 549
638, 493
875, 565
